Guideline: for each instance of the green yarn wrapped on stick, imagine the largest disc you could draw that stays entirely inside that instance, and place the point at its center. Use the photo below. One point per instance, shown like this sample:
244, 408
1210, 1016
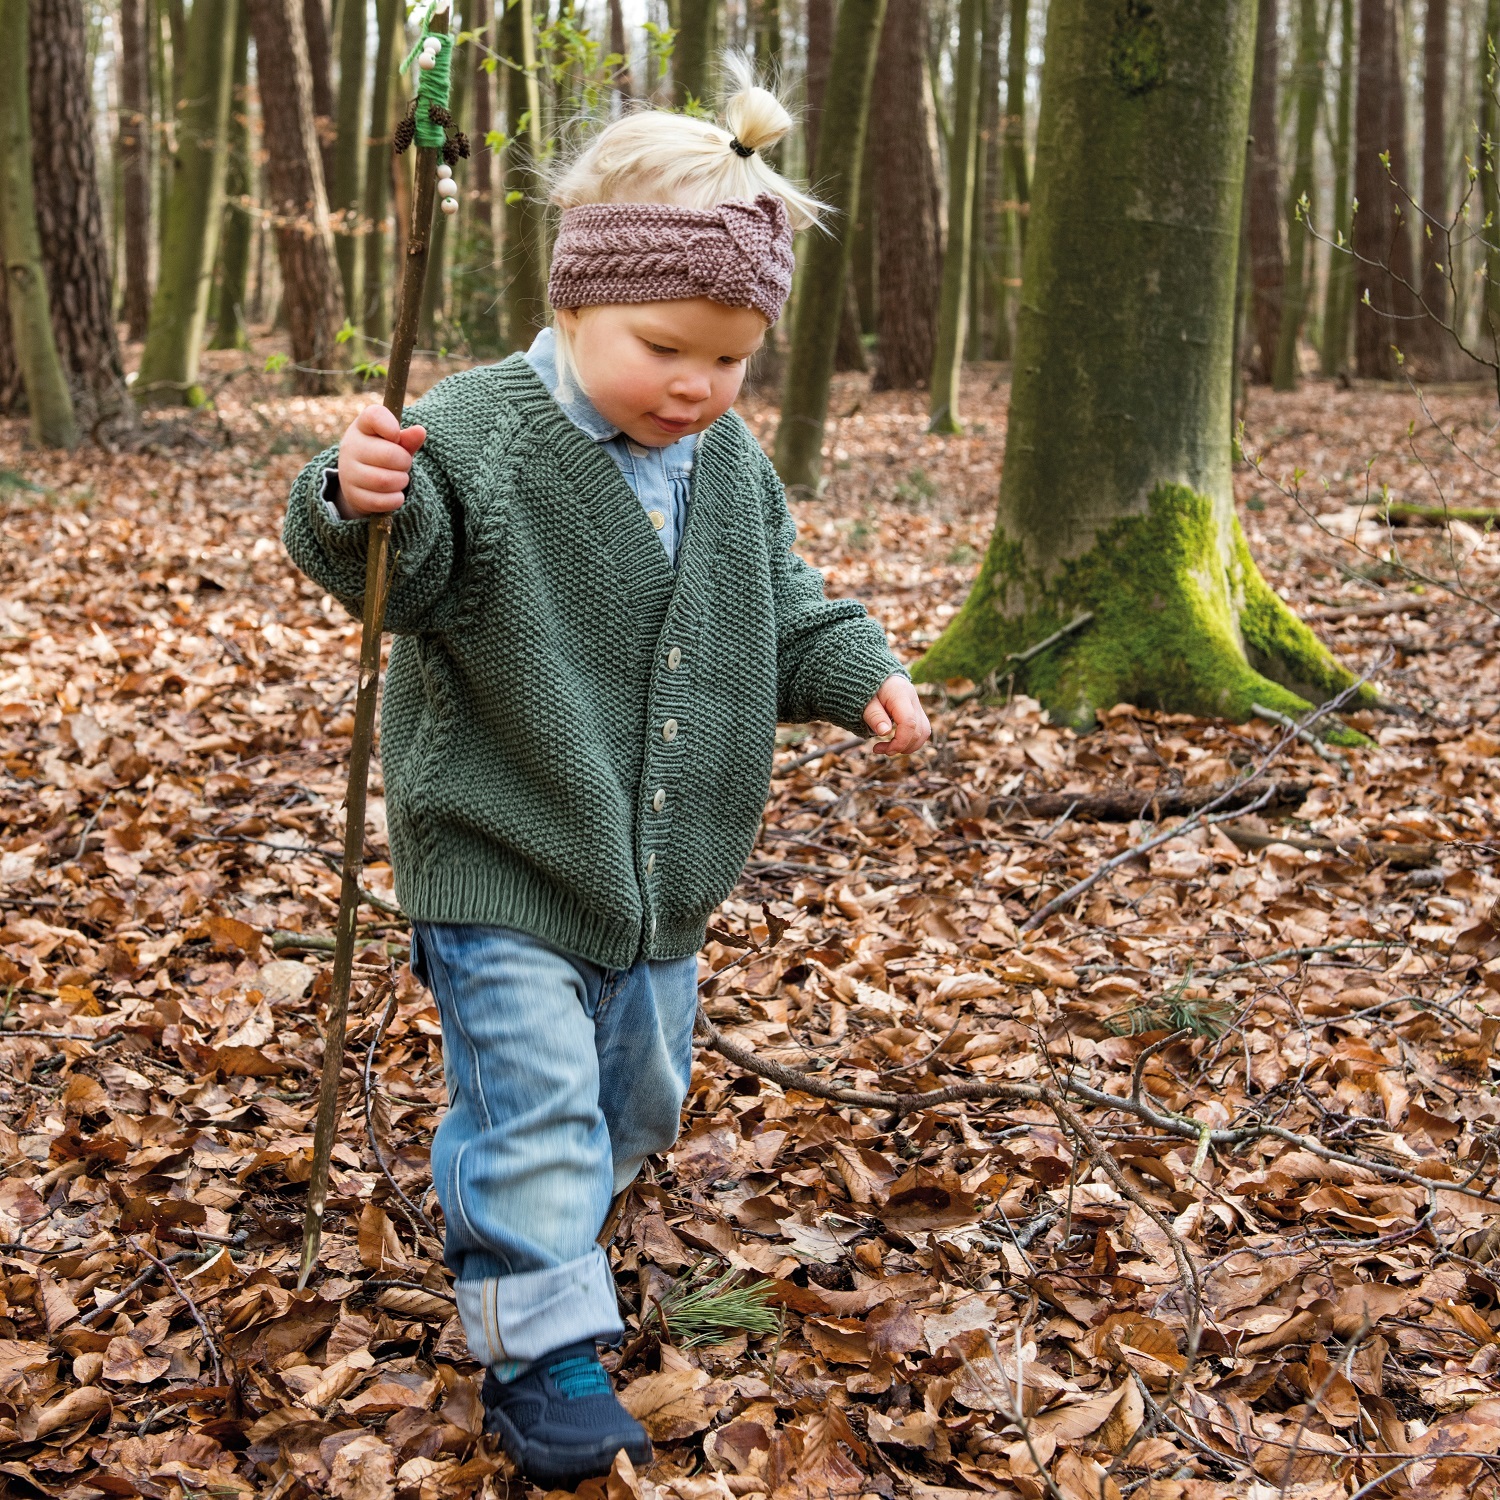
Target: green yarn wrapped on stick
433, 91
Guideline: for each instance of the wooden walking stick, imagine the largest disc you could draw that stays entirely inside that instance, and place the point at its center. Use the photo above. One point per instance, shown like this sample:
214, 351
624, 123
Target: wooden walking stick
427, 123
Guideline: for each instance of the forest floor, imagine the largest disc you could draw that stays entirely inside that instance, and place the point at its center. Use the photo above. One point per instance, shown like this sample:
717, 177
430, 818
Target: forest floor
1222, 1219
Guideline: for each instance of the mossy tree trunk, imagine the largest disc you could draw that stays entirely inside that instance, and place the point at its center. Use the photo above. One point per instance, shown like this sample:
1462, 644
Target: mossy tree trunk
1116, 495
692, 52
194, 210
523, 255
823, 274
230, 331
349, 157
1285, 373
135, 163
47, 395
953, 303
1489, 170
849, 351
1338, 297
375, 318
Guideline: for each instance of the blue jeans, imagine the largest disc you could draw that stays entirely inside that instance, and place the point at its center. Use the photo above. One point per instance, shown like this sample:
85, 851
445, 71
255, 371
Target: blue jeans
562, 1079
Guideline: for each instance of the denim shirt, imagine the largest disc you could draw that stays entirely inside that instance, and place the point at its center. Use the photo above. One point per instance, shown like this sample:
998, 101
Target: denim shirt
661, 478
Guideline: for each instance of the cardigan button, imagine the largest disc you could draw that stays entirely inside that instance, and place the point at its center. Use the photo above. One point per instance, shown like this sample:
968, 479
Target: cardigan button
669, 730
674, 658
650, 863
659, 801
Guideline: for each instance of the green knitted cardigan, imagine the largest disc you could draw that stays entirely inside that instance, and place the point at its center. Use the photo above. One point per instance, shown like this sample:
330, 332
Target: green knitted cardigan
576, 740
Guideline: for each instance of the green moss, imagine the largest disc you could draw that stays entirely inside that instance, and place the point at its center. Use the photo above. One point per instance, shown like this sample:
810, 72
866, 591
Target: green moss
1137, 51
1173, 623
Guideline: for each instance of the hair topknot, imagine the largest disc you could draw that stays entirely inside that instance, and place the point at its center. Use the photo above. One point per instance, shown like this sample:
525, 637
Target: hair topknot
661, 156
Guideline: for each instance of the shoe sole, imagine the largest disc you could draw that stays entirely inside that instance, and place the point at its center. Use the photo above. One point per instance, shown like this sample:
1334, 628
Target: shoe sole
559, 1468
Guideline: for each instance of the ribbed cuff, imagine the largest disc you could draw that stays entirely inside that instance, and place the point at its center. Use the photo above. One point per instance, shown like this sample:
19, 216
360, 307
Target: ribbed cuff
531, 1314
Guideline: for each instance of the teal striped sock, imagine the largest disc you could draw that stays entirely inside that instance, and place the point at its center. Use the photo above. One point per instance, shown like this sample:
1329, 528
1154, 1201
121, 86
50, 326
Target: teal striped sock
508, 1369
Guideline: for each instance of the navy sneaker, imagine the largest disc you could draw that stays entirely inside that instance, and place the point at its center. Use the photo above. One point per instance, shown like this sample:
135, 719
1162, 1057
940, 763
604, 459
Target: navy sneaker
561, 1421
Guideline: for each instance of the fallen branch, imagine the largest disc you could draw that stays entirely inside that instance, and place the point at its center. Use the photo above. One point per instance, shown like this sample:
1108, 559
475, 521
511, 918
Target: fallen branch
1407, 606
192, 1307
1127, 806
1307, 737
807, 757
1440, 515
1376, 851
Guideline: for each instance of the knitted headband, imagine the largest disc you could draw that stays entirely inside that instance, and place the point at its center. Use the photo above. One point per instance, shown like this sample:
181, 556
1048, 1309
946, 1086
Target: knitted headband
738, 253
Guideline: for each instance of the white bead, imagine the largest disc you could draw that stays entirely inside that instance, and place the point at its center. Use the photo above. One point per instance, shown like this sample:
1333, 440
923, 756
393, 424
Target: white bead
445, 173
427, 62
448, 188
450, 205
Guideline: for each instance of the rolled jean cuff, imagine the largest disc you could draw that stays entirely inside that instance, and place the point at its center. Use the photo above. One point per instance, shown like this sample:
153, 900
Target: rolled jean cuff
530, 1314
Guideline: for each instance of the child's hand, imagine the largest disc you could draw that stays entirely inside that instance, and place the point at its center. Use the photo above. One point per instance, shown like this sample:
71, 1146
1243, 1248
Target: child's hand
374, 462
895, 714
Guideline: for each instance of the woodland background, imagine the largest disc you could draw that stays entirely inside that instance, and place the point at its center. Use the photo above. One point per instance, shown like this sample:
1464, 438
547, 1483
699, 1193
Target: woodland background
1101, 1102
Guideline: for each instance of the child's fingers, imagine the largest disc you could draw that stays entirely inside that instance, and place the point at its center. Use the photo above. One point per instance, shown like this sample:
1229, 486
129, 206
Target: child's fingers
376, 421
412, 438
359, 474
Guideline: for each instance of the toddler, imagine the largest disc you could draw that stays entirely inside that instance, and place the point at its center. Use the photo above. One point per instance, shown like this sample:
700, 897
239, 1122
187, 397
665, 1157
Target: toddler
598, 622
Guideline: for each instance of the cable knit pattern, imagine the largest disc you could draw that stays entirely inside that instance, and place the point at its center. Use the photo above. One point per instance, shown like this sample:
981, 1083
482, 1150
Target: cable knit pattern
738, 253
543, 644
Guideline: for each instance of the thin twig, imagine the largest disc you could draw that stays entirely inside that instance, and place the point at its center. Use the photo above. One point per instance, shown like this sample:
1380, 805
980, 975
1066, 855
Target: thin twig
412, 1211
192, 1307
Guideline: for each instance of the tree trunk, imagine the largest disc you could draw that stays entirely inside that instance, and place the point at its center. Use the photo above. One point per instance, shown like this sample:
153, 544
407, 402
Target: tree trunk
824, 274
194, 210
907, 263
375, 318
1338, 303
849, 351
1016, 191
985, 264
295, 196
1116, 493
349, 156
230, 330
1382, 246
1489, 174
320, 66
446, 263
478, 308
619, 45
47, 396
1267, 252
1298, 269
768, 45
953, 304
69, 215
523, 254
693, 52
1428, 337
135, 163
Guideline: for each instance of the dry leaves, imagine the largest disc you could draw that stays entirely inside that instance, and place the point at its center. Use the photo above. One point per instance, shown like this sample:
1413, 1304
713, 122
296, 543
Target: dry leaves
969, 1301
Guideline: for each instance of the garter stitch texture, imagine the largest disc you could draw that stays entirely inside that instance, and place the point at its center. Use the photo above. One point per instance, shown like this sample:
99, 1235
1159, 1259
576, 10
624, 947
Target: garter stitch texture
738, 253
576, 741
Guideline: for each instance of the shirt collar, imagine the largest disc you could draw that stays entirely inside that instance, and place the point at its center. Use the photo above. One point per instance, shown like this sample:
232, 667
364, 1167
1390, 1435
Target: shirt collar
542, 357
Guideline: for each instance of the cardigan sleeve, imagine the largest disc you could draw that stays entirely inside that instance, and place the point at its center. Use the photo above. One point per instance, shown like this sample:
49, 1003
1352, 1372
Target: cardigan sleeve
425, 535
831, 656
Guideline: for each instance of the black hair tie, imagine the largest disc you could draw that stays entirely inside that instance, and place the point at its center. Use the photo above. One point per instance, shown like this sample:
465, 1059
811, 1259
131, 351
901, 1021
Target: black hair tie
739, 147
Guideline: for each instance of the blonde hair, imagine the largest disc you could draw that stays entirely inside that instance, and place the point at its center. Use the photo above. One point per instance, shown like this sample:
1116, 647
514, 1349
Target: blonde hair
661, 156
